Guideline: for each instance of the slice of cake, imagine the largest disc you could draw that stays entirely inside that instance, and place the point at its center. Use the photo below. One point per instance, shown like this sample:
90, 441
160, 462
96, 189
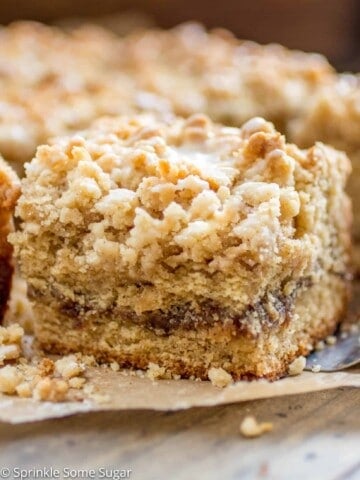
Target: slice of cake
186, 244
9, 193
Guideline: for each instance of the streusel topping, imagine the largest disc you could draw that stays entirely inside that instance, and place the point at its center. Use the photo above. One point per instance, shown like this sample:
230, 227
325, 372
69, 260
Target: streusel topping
333, 115
55, 83
229, 79
166, 208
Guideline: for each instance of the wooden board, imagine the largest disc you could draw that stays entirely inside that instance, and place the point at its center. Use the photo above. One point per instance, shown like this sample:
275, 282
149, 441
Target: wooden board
316, 436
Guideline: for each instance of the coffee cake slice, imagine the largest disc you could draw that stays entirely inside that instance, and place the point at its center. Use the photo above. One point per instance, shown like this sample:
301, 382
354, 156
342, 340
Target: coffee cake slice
9, 193
186, 244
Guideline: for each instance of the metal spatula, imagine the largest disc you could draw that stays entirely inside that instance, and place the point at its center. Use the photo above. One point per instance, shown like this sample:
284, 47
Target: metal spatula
343, 354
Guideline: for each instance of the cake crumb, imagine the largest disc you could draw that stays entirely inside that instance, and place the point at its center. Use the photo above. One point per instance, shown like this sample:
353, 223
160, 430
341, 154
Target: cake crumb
46, 367
155, 372
40, 378
10, 378
92, 394
10, 342
69, 367
331, 340
250, 428
87, 360
354, 328
316, 368
24, 390
115, 367
77, 382
9, 352
51, 389
219, 377
320, 346
297, 366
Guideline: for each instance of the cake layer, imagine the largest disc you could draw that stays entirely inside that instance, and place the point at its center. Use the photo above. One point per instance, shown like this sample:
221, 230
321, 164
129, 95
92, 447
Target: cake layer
190, 346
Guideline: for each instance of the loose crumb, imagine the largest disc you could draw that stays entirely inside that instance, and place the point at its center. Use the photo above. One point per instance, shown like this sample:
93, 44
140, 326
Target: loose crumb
297, 366
46, 367
10, 378
331, 340
24, 390
250, 428
9, 352
155, 372
69, 367
219, 377
115, 367
354, 328
77, 382
51, 389
91, 393
42, 379
320, 346
10, 342
316, 368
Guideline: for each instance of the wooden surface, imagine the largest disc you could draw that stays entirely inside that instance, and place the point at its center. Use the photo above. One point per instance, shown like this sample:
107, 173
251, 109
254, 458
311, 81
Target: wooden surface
316, 436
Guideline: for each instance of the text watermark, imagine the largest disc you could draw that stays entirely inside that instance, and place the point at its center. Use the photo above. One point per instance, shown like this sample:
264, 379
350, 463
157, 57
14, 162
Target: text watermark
50, 473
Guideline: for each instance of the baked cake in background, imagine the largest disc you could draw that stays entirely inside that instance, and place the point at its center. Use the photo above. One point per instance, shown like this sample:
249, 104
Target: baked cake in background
54, 82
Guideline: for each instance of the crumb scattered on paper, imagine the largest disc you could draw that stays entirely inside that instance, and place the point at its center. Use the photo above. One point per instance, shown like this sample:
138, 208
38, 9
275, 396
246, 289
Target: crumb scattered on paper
320, 346
331, 340
10, 342
20, 306
297, 366
219, 377
69, 367
155, 372
40, 378
316, 368
250, 428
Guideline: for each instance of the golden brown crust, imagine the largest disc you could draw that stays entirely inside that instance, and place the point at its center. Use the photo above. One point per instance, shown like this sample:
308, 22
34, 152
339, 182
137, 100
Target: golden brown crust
9, 193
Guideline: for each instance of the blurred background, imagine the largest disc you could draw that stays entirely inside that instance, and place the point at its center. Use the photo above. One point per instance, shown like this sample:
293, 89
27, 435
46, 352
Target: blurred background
331, 27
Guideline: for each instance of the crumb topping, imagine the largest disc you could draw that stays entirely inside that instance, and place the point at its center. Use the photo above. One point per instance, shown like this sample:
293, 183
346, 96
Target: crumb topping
153, 203
221, 75
55, 82
333, 115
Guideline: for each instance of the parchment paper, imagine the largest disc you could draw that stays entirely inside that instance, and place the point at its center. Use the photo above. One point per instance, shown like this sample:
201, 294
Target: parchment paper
122, 390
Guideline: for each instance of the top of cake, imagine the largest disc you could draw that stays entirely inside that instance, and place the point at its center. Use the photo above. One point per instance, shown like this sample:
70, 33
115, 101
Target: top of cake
333, 115
54, 82
230, 79
142, 201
